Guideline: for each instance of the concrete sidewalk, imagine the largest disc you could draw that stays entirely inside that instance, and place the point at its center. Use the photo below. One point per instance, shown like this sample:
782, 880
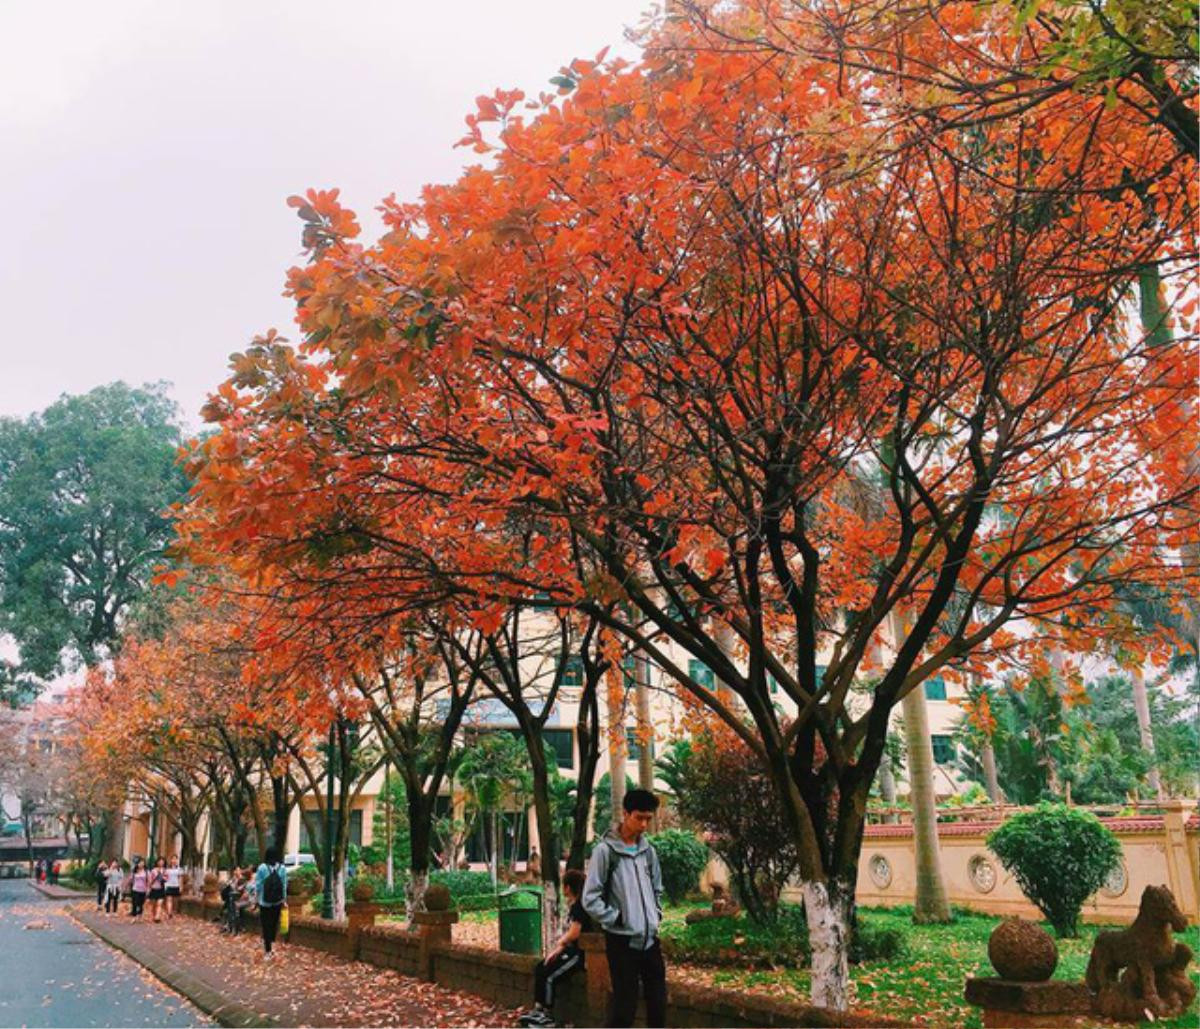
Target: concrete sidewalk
228, 978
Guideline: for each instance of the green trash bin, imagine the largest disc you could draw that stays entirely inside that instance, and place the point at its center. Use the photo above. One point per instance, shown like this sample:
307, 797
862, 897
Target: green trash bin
520, 910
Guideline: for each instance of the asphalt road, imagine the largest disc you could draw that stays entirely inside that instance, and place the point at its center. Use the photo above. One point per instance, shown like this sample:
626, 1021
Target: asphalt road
53, 972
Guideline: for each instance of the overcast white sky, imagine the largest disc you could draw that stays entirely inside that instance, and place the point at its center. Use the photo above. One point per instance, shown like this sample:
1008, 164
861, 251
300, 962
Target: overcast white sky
147, 148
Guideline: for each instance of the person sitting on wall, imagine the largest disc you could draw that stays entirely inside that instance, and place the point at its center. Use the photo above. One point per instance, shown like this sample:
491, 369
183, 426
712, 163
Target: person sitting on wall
564, 960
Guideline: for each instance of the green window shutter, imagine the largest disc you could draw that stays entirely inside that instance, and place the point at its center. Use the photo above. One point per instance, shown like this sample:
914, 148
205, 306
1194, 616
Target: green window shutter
943, 749
935, 688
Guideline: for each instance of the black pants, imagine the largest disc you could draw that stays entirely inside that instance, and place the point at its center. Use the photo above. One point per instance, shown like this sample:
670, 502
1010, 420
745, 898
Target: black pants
548, 977
138, 902
101, 890
233, 917
628, 967
112, 900
269, 918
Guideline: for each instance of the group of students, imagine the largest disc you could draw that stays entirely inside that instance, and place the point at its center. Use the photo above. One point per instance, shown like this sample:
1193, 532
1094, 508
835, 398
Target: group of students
161, 885
622, 895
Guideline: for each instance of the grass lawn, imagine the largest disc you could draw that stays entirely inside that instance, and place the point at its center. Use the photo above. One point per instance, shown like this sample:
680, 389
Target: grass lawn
926, 986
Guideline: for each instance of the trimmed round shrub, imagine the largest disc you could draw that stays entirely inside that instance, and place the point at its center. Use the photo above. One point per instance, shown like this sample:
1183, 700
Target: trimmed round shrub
304, 881
682, 857
437, 898
1059, 856
363, 891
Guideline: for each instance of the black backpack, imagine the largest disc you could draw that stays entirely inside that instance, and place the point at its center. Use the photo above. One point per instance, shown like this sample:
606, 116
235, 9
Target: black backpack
272, 892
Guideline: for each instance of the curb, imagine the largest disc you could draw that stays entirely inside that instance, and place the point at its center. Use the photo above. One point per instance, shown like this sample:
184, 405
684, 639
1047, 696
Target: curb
60, 892
229, 1013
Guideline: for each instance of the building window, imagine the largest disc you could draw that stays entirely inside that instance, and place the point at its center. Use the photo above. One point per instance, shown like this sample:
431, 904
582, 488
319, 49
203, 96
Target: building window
634, 748
820, 670
572, 676
935, 688
772, 683
701, 674
356, 826
557, 742
562, 743
943, 749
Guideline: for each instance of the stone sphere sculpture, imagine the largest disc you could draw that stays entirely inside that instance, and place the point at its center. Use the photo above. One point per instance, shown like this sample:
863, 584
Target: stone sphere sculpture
1022, 951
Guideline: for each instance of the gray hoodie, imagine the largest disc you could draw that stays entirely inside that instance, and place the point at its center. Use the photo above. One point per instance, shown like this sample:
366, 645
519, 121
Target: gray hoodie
633, 906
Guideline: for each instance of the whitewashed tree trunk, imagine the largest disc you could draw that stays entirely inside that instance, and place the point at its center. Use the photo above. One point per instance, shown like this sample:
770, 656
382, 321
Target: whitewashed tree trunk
550, 915
339, 894
414, 895
196, 880
827, 911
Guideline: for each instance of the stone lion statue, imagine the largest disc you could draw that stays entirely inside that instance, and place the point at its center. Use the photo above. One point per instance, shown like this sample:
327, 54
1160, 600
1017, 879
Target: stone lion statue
1154, 977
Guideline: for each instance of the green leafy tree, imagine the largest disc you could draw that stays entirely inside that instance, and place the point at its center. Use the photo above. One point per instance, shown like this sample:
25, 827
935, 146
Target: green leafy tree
85, 488
671, 765
1059, 856
682, 857
494, 769
602, 815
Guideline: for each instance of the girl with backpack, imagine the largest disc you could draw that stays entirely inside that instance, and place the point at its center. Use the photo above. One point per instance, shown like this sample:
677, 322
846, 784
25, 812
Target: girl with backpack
270, 887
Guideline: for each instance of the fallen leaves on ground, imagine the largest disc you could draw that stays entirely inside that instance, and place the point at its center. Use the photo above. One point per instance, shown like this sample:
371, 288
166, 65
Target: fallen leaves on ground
305, 987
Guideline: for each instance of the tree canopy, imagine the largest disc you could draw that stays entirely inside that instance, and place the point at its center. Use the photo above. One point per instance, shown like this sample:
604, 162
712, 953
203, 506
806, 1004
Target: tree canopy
85, 492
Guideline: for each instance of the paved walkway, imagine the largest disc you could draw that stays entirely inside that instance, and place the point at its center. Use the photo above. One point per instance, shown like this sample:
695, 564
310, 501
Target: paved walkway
55, 973
299, 987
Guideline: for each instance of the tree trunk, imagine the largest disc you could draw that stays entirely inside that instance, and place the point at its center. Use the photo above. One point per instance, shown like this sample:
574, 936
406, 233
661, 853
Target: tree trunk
414, 893
281, 812
991, 778
548, 842
827, 909
645, 728
887, 787
387, 825
339, 892
930, 904
616, 747
1141, 705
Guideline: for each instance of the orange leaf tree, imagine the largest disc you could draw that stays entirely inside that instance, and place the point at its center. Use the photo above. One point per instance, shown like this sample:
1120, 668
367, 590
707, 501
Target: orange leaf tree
755, 363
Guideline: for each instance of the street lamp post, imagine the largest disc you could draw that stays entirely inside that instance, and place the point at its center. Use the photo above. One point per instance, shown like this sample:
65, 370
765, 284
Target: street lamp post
327, 895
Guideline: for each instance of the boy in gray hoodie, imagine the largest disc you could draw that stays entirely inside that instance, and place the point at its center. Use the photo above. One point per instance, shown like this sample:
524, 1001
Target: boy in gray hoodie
623, 893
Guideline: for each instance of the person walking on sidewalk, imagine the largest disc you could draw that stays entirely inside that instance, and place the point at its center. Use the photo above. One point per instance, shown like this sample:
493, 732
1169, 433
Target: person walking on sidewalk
174, 886
114, 880
270, 887
623, 893
138, 882
101, 884
158, 888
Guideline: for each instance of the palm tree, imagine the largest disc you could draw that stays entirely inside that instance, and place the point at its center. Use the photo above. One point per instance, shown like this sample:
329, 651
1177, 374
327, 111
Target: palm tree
930, 904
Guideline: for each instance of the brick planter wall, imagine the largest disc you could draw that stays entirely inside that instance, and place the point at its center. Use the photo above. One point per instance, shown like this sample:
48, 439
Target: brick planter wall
390, 946
507, 979
332, 937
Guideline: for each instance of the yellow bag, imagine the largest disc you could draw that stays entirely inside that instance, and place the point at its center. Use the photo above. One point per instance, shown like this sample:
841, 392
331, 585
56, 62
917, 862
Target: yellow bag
283, 921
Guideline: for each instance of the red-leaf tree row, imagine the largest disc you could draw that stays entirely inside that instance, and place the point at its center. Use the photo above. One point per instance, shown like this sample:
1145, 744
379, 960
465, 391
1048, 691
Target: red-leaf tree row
741, 349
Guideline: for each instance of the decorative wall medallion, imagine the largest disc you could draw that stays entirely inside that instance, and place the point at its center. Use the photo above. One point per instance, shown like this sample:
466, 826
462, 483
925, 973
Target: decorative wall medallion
982, 873
881, 871
1117, 882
